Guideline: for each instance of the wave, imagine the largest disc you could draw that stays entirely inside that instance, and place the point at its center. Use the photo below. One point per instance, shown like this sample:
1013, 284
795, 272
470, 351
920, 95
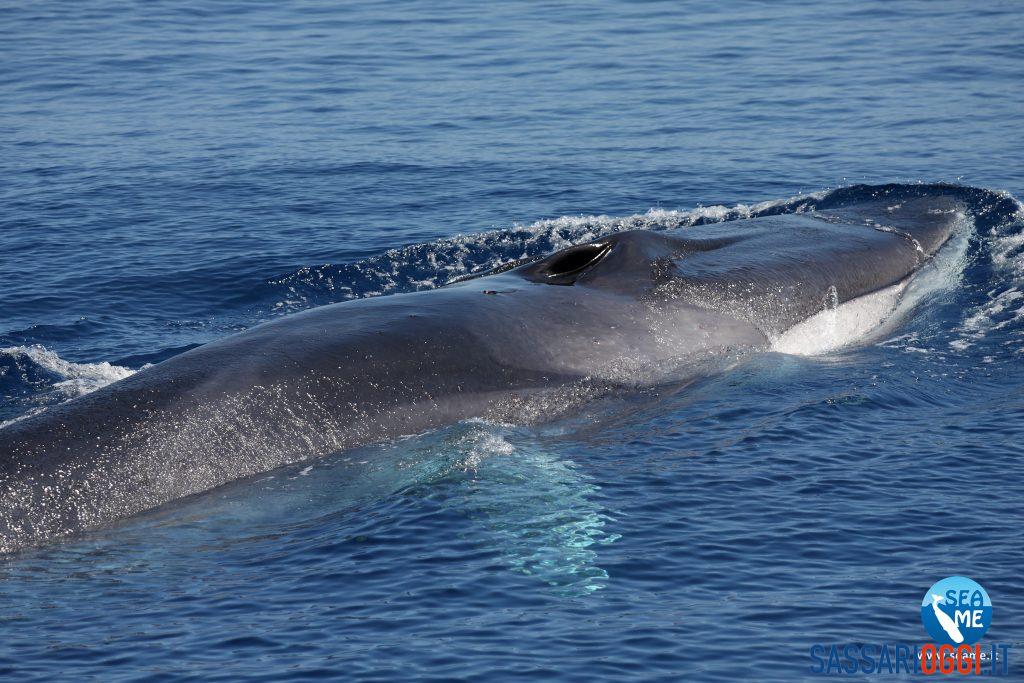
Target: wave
32, 377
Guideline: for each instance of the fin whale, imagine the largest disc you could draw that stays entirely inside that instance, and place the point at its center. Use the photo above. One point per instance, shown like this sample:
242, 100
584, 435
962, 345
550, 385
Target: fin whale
635, 306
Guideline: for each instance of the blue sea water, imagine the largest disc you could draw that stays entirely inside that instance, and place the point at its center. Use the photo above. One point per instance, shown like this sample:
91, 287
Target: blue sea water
174, 172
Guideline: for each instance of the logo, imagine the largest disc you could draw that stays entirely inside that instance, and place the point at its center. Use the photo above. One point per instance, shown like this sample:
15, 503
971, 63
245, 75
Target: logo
956, 611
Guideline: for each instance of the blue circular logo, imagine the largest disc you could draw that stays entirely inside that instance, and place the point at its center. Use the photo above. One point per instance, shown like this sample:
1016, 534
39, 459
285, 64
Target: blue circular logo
956, 611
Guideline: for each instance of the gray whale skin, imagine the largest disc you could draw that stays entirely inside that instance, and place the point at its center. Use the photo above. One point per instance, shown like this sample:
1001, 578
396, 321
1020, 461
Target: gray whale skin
632, 307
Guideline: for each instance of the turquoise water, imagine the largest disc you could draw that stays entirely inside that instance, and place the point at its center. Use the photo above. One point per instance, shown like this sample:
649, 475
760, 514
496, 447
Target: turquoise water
174, 172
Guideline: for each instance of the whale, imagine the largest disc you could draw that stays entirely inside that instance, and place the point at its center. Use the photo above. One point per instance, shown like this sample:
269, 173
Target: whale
525, 343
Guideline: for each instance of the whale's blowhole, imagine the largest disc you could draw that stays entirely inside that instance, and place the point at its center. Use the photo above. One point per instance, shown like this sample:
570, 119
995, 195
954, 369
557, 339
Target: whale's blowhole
563, 266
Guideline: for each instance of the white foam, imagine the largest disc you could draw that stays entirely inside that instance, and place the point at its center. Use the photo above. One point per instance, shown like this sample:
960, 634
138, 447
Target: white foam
985, 318
78, 378
1004, 303
1006, 247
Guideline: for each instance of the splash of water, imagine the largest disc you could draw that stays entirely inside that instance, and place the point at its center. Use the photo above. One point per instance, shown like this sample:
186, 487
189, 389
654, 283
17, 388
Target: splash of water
42, 378
538, 507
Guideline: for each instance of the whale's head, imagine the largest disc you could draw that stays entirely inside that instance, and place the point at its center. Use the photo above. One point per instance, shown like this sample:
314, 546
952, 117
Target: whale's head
772, 271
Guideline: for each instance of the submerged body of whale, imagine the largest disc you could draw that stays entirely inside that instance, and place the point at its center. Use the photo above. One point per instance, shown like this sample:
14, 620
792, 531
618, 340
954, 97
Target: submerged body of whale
633, 307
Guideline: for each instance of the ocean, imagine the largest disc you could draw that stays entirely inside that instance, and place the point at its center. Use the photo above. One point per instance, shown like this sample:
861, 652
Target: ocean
171, 173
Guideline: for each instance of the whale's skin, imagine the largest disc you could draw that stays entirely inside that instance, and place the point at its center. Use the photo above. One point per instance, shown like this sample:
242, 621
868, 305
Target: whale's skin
517, 345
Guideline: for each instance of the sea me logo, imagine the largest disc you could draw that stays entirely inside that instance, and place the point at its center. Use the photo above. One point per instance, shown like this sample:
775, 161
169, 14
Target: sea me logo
956, 613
